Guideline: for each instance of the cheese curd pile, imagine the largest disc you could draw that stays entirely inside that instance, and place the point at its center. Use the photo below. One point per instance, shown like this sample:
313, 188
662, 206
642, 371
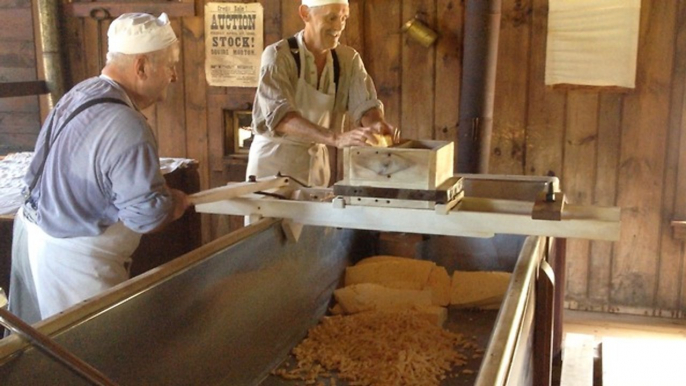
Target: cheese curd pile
378, 348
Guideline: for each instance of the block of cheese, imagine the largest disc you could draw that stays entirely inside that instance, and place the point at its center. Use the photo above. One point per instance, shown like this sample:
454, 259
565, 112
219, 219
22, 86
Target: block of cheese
403, 284
439, 282
434, 314
382, 140
395, 270
369, 296
479, 289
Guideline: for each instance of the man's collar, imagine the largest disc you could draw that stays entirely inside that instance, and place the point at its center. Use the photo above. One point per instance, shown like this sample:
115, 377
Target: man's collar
111, 81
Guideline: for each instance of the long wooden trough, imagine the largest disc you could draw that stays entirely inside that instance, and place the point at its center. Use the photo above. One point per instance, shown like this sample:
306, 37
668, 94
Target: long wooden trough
230, 312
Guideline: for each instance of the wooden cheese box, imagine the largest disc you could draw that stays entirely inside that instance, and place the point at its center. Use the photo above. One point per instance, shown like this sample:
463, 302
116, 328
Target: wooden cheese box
413, 164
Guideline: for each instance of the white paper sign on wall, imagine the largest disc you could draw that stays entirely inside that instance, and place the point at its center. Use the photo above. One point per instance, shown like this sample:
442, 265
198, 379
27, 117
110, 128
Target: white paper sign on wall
592, 42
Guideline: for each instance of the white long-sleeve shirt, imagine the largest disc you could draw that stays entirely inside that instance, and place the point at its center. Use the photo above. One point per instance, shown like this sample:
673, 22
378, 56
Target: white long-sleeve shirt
275, 96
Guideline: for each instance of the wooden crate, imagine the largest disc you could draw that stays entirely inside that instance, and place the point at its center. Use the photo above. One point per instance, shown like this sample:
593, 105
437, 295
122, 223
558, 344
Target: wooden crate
415, 164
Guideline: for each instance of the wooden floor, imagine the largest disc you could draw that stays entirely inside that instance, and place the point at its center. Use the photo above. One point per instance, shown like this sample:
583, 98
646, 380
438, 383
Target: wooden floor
624, 326
630, 350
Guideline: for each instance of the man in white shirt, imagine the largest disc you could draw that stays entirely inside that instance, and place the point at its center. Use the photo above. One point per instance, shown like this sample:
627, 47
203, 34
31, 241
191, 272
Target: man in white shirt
307, 85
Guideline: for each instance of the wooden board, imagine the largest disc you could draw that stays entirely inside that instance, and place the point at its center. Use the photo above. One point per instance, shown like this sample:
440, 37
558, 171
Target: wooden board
417, 91
679, 211
578, 177
383, 57
508, 143
474, 217
197, 144
290, 19
171, 114
17, 24
448, 70
605, 191
642, 161
114, 9
442, 194
546, 108
671, 249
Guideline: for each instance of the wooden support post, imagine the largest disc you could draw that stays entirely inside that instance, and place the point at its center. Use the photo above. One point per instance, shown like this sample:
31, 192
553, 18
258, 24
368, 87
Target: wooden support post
544, 324
558, 260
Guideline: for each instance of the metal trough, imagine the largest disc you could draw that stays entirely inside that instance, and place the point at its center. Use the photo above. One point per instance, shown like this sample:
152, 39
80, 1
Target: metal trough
229, 312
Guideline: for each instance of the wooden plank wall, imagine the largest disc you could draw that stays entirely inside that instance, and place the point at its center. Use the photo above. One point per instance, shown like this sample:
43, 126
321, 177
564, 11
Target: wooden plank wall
608, 148
19, 117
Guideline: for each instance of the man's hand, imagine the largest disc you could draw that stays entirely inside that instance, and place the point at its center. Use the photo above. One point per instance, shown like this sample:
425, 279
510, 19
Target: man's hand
374, 120
355, 137
181, 203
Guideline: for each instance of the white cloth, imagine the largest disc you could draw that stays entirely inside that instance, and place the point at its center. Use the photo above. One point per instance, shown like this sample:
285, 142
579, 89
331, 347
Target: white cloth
306, 162
67, 271
137, 33
592, 42
317, 3
12, 170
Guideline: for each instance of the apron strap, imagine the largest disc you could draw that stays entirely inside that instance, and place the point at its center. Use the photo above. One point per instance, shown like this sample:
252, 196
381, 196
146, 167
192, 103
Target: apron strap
295, 51
48, 134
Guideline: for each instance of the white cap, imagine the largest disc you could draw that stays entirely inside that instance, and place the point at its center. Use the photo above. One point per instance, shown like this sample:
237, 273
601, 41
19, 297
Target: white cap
317, 3
138, 33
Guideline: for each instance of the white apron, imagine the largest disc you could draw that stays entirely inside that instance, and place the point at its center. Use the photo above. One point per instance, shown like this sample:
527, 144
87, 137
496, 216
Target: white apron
67, 271
307, 162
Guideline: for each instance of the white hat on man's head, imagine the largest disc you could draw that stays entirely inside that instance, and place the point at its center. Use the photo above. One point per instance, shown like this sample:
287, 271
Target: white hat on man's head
139, 33
317, 3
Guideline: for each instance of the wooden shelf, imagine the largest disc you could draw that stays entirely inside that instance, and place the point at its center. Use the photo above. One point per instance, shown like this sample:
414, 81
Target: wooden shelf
112, 9
17, 89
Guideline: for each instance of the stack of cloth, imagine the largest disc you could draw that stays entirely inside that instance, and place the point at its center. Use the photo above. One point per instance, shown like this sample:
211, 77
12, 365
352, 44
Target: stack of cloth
12, 170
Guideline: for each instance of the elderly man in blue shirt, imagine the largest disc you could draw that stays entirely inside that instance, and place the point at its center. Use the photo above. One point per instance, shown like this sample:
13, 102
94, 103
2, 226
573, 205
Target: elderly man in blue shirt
94, 184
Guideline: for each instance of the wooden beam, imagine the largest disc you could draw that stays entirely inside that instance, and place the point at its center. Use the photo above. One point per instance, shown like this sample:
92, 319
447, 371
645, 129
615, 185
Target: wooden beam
474, 217
111, 9
237, 190
17, 89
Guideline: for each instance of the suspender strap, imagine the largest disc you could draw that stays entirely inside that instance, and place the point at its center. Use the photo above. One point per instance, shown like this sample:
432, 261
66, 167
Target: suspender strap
48, 134
295, 51
336, 68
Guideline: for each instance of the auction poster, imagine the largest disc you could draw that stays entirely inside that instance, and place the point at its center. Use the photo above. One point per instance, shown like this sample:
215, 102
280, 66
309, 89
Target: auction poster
233, 43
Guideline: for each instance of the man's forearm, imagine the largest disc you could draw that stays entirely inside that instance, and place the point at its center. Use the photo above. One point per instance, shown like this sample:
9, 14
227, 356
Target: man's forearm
296, 126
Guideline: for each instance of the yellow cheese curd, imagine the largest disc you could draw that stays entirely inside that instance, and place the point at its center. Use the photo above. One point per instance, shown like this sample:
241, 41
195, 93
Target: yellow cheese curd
378, 348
